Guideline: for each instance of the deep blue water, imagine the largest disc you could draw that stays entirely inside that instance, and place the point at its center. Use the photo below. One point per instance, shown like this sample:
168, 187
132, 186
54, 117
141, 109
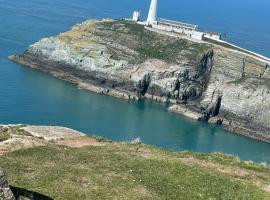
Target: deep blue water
32, 97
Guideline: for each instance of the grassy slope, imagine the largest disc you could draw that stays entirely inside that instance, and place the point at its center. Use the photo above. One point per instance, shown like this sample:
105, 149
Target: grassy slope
229, 46
127, 171
153, 45
130, 35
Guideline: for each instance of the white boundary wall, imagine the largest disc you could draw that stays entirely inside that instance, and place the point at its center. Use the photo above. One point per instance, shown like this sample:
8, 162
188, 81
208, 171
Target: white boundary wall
240, 48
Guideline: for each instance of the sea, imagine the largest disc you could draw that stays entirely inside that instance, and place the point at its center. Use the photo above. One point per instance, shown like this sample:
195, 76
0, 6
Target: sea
29, 96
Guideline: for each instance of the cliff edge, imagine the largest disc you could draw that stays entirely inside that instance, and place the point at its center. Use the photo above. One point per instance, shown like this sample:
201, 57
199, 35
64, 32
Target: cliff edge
46, 163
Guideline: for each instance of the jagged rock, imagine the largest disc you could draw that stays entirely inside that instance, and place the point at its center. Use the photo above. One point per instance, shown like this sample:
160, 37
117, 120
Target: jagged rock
213, 108
143, 85
183, 110
216, 120
5, 191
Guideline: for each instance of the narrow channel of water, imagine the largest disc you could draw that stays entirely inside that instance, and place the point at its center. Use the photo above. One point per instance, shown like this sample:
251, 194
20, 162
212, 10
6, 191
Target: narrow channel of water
32, 97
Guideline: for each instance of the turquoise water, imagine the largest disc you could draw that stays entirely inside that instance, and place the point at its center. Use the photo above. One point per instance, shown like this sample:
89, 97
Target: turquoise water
32, 97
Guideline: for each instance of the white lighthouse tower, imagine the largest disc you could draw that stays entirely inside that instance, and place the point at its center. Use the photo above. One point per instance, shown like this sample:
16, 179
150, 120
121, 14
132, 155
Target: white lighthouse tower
172, 28
152, 15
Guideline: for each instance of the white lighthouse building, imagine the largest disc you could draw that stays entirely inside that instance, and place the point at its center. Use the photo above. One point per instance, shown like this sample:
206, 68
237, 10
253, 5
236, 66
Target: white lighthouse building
179, 29
171, 27
152, 14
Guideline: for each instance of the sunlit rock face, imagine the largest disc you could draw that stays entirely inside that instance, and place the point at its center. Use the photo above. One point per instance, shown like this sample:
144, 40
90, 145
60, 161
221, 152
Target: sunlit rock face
125, 55
242, 84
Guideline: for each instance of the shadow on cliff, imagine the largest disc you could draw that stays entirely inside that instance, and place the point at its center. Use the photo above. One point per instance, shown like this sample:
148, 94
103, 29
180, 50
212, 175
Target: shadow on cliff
23, 193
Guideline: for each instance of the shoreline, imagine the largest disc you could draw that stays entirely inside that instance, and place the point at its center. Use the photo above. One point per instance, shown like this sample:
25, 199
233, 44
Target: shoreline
183, 110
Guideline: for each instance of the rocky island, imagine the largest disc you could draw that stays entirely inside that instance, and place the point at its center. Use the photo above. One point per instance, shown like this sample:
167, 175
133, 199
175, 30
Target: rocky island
124, 59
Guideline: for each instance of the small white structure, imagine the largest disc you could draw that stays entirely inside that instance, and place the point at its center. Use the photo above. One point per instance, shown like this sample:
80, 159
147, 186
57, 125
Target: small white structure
174, 26
197, 35
212, 35
152, 14
188, 30
136, 16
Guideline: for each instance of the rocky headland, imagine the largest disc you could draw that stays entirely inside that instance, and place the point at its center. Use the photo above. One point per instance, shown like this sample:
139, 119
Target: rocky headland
201, 80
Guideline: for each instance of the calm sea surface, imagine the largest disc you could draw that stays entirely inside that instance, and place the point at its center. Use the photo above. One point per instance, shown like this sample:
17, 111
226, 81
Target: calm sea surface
31, 97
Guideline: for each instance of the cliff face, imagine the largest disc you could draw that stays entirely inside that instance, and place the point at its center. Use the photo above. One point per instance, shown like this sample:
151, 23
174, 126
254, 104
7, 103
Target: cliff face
123, 55
123, 59
241, 82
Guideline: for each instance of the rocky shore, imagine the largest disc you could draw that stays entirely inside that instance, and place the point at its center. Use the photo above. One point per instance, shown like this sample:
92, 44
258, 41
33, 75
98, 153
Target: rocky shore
123, 59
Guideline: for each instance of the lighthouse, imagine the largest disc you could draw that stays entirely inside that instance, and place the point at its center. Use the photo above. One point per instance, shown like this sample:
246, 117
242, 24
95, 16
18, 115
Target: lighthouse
152, 15
170, 27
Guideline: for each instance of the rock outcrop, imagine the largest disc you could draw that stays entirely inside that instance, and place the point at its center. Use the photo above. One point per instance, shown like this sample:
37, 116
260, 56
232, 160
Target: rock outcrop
5, 191
23, 137
124, 59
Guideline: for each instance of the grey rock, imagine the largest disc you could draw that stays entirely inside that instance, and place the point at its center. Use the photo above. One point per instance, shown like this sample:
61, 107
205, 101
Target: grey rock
244, 89
5, 191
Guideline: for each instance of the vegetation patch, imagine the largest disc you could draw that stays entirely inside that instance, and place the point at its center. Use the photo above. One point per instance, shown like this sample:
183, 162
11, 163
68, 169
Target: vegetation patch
131, 41
254, 81
7, 132
153, 45
4, 135
261, 82
229, 46
132, 171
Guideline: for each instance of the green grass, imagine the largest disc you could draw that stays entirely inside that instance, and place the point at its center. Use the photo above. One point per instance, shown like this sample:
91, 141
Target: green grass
132, 27
170, 51
150, 44
126, 171
144, 44
233, 161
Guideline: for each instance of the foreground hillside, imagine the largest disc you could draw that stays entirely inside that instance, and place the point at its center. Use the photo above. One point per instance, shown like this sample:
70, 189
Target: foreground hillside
123, 59
64, 164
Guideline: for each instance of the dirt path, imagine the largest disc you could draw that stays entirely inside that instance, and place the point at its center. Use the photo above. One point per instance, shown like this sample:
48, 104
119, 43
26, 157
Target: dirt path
235, 171
80, 141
